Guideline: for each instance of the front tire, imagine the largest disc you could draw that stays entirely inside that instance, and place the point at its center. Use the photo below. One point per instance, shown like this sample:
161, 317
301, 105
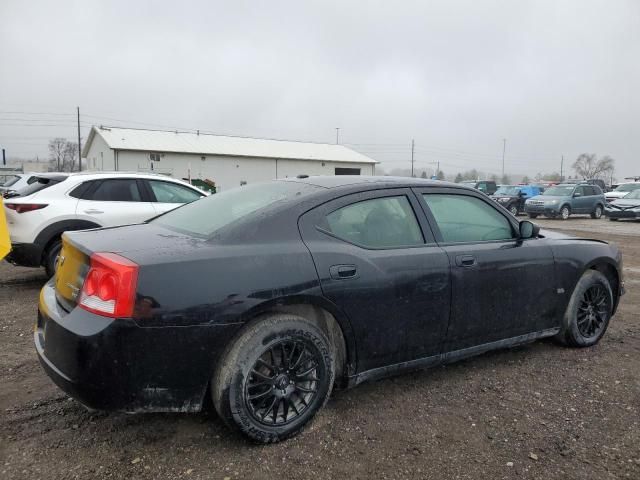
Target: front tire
597, 213
589, 311
274, 378
514, 210
565, 212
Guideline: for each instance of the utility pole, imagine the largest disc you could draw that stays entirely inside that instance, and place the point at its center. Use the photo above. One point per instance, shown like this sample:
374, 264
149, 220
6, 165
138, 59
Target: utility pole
561, 168
504, 148
79, 144
337, 135
413, 146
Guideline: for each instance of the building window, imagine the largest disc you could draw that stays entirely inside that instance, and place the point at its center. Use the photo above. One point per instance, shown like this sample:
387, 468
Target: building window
347, 171
154, 157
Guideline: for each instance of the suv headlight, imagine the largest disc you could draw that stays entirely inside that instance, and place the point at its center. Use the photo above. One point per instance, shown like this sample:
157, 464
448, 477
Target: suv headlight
551, 202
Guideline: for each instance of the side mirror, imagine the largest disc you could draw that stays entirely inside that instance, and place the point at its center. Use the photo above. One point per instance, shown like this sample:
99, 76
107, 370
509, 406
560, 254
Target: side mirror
528, 230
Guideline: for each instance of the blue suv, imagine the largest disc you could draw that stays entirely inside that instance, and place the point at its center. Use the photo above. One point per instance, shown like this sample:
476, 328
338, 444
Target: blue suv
564, 200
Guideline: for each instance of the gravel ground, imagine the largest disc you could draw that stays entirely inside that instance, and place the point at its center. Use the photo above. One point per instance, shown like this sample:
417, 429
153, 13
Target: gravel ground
538, 411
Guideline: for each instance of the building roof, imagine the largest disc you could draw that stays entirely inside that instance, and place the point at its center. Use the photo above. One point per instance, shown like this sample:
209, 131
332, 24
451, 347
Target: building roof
206, 144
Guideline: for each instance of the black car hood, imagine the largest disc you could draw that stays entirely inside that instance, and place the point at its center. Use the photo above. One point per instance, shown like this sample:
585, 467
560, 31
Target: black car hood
555, 235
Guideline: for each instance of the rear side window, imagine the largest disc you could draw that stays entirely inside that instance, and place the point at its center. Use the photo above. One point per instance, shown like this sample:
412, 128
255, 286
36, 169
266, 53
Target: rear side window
167, 192
462, 218
117, 190
377, 223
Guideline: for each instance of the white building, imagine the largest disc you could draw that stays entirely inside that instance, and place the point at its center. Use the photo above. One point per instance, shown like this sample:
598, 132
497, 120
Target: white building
228, 161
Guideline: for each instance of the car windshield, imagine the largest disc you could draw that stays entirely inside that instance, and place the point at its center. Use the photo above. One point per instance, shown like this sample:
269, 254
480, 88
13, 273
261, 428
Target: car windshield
633, 195
204, 217
11, 181
628, 187
559, 191
509, 190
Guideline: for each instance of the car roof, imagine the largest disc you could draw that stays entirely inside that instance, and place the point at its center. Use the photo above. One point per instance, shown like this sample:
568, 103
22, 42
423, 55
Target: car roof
337, 181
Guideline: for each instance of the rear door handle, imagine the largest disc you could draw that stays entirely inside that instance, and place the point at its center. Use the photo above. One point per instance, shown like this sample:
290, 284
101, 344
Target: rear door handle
93, 211
466, 261
342, 272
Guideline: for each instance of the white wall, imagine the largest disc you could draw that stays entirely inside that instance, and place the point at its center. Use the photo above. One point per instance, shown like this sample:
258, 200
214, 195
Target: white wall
99, 156
229, 172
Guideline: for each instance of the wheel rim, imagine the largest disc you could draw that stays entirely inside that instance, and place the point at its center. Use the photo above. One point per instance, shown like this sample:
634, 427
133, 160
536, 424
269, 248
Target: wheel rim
514, 211
598, 212
565, 213
283, 382
593, 311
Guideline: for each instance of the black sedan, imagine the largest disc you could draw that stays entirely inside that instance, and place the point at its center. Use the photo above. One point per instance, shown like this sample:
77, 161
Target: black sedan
263, 297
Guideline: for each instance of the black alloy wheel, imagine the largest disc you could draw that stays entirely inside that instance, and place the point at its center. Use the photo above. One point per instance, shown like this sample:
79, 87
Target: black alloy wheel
283, 382
593, 311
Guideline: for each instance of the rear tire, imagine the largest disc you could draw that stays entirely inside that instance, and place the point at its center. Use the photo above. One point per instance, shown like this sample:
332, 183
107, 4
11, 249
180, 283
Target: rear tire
50, 260
597, 213
589, 311
274, 378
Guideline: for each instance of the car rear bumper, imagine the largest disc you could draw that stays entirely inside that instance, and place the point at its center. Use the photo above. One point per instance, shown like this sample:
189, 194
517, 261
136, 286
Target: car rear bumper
25, 254
115, 364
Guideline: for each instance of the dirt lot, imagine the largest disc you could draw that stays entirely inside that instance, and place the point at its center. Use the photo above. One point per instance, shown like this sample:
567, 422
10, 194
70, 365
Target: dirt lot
539, 411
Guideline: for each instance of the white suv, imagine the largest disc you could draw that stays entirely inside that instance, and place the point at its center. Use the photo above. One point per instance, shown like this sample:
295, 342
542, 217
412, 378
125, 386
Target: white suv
621, 190
38, 214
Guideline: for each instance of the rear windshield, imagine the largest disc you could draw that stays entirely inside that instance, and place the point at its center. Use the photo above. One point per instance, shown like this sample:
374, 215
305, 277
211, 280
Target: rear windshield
559, 191
508, 190
207, 215
10, 182
40, 183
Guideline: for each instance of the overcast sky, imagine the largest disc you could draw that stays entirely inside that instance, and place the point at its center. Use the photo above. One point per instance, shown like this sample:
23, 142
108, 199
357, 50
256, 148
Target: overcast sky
552, 77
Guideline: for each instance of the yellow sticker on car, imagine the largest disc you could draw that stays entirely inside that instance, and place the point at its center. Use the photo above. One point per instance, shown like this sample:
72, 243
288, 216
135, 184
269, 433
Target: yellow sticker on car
5, 241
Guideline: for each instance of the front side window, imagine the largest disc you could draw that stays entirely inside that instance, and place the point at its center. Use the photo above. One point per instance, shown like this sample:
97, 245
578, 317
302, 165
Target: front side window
166, 192
387, 222
117, 190
462, 218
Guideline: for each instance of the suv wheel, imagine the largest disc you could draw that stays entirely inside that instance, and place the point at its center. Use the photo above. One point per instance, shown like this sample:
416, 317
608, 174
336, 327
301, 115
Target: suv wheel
589, 311
514, 210
51, 255
597, 213
274, 378
565, 212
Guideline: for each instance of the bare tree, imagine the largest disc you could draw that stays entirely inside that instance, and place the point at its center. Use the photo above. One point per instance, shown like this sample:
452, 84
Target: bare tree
62, 154
588, 165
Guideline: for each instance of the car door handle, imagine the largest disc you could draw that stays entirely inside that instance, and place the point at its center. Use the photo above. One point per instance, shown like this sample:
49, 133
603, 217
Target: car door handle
93, 211
342, 272
465, 260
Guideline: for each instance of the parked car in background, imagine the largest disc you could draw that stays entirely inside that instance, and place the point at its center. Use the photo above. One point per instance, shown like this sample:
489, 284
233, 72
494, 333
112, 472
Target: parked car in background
565, 200
18, 182
625, 207
40, 213
487, 187
262, 298
512, 197
621, 190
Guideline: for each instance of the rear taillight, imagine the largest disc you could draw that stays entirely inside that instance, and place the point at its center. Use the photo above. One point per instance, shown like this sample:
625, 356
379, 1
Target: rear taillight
109, 288
25, 207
